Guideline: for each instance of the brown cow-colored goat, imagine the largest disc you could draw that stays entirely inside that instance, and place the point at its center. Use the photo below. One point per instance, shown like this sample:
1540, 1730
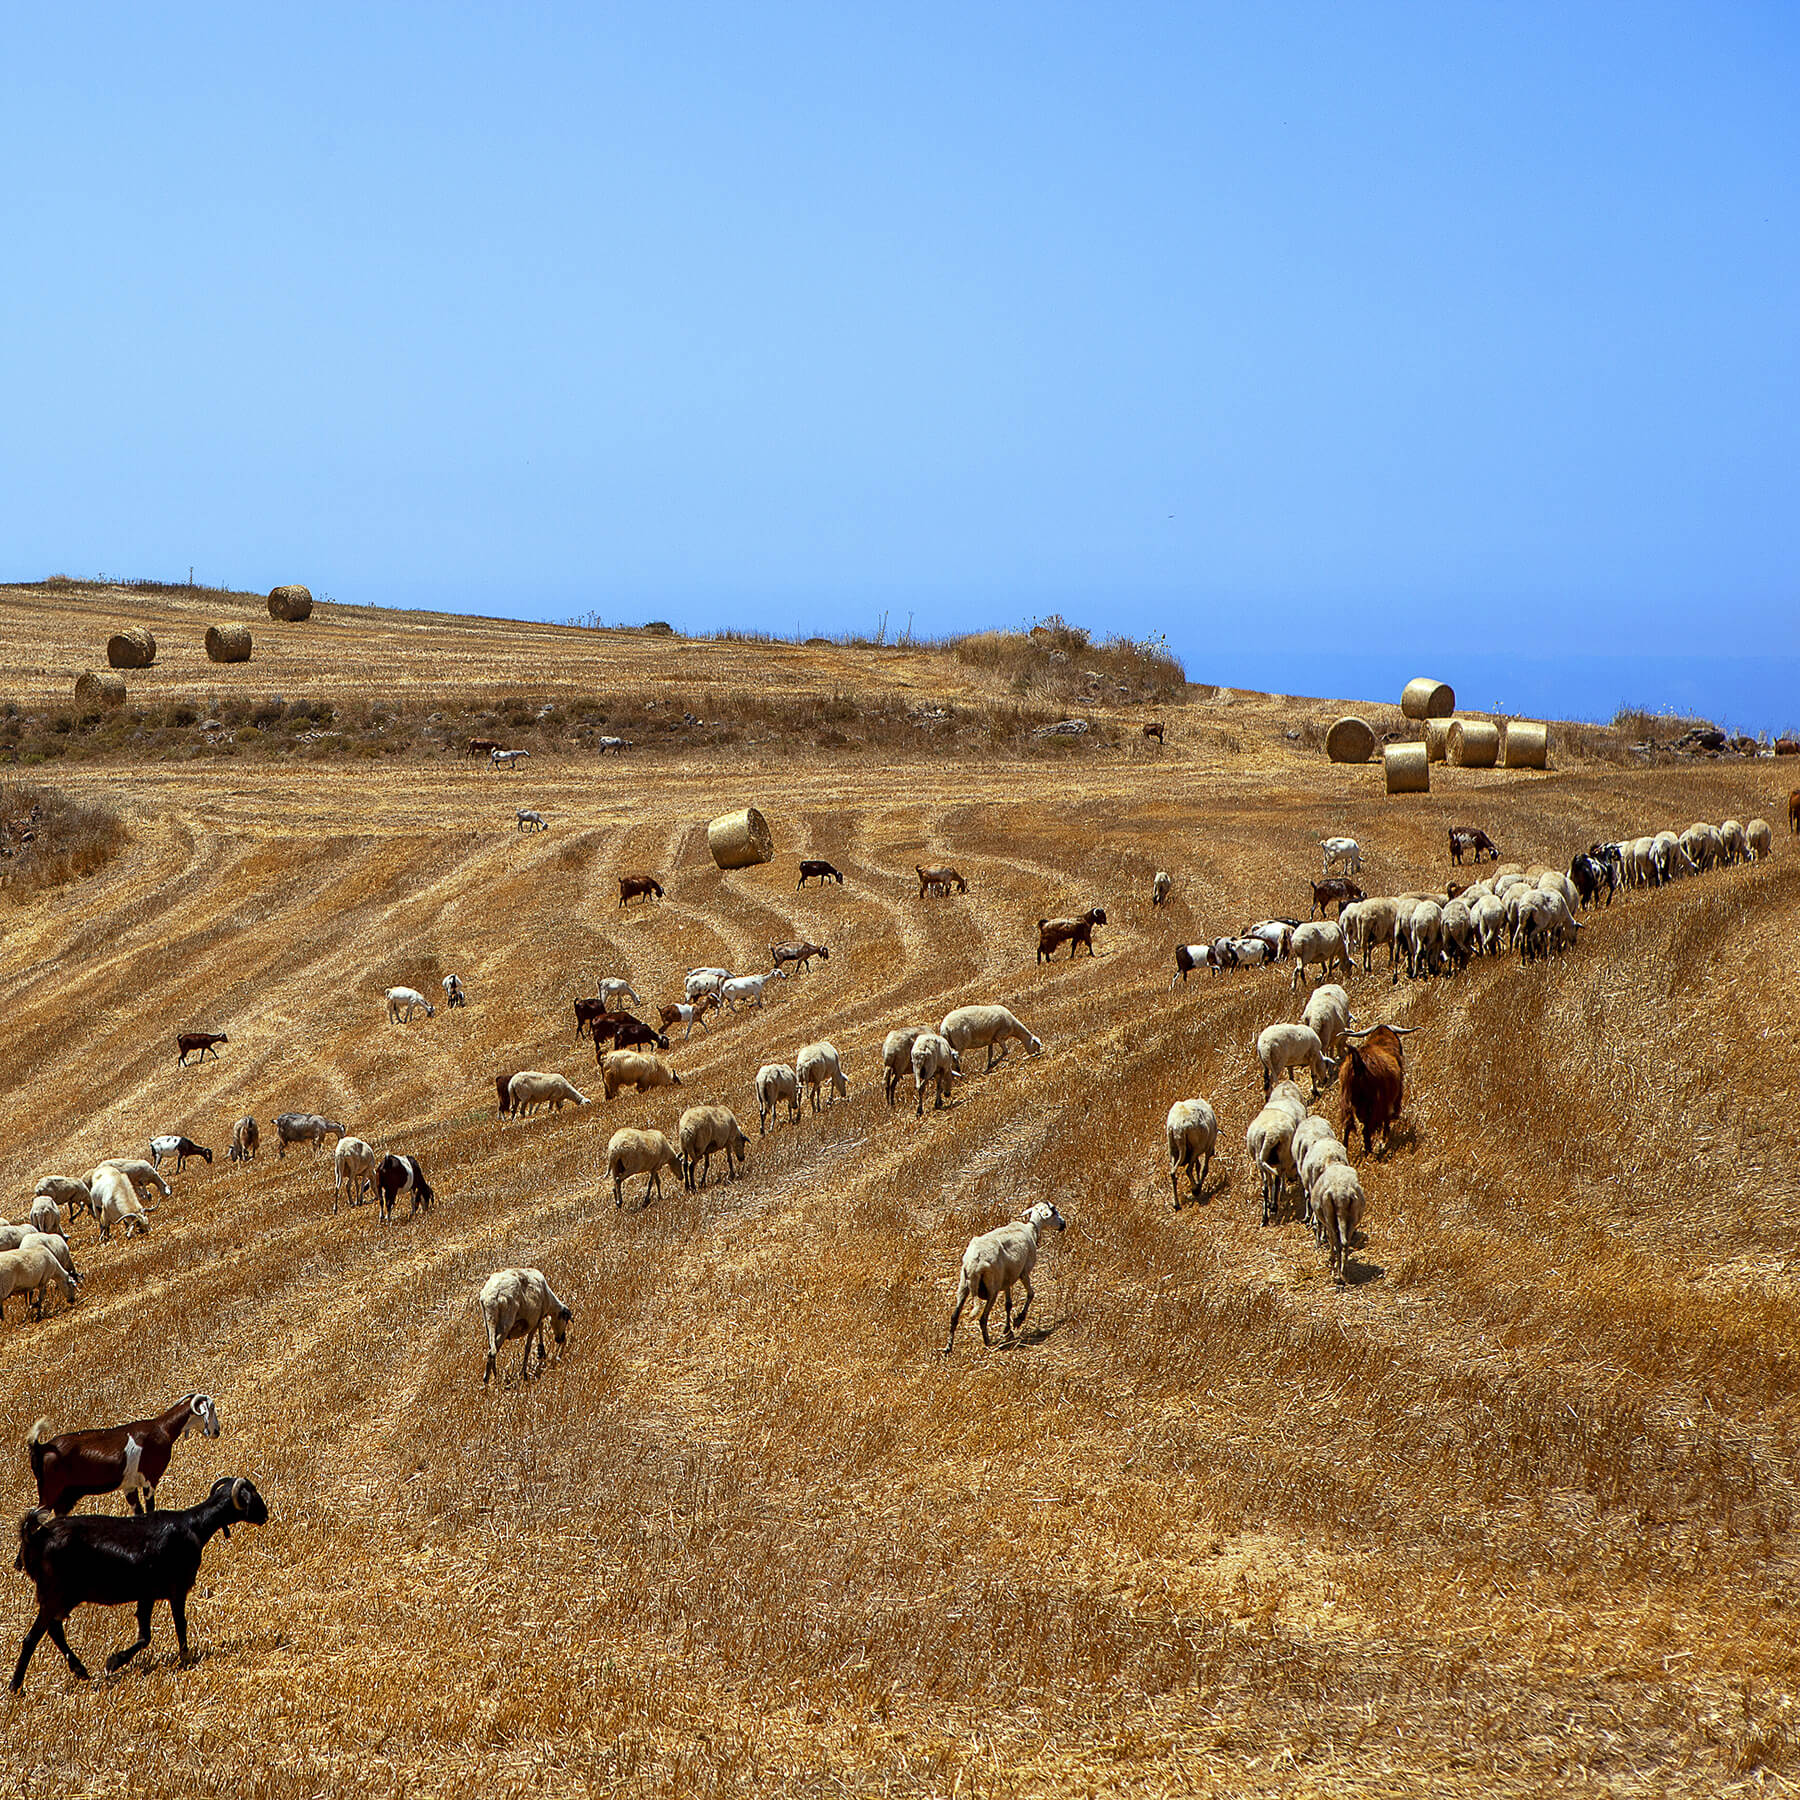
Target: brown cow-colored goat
1054, 933
1373, 1074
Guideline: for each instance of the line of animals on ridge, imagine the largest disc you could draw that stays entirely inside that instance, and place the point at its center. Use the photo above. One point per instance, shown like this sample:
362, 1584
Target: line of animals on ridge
146, 1556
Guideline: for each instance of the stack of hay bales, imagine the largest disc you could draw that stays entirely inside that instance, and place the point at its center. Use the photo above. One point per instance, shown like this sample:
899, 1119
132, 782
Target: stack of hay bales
1437, 738
1527, 744
740, 840
1424, 698
95, 689
1473, 744
1350, 740
228, 643
133, 648
290, 603
1408, 769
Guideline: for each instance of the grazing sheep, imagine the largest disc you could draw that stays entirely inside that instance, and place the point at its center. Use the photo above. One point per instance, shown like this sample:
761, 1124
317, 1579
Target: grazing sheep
996, 1261
32, 1269
819, 1065
116, 1202
518, 1303
1367, 923
970, 1027
708, 1130
1487, 923
1282, 1048
935, 1063
404, 1003
1193, 1131
246, 1135
939, 881
1424, 929
1459, 932
353, 1165
1344, 851
65, 1190
633, 1069
896, 1055
1731, 842
142, 1175
55, 1243
1337, 1202
531, 1088
45, 1215
1328, 1013
1759, 839
1319, 941
632, 1151
776, 1082
1159, 888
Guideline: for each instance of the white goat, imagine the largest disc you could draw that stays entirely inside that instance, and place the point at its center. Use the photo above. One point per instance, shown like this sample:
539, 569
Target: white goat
615, 990
1346, 852
353, 1167
506, 759
747, 989
996, 1261
404, 1002
529, 820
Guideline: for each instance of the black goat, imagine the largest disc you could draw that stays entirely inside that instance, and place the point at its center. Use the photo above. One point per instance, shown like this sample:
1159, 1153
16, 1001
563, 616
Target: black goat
98, 1560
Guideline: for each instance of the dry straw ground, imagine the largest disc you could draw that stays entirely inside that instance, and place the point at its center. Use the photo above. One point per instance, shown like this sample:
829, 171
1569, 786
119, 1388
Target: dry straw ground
1513, 1512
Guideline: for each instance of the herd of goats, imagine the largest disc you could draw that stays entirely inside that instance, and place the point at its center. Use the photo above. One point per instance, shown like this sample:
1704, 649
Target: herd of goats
146, 1555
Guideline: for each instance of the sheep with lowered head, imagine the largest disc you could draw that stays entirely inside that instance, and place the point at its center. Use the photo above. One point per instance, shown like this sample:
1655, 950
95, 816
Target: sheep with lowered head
896, 1055
1284, 1048
970, 1027
936, 1062
635, 1152
519, 1303
997, 1261
706, 1131
819, 1065
775, 1083
630, 1069
1328, 1013
531, 1088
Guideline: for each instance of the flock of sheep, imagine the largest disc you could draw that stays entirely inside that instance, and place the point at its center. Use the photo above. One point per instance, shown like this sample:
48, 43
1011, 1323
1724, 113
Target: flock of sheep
1529, 908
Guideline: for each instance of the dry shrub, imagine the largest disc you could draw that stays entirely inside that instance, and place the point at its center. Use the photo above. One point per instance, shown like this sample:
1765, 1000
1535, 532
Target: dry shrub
70, 838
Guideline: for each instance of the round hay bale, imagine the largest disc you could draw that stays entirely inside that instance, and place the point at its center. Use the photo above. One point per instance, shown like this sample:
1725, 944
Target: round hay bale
228, 643
1408, 769
1428, 699
133, 648
740, 840
1350, 740
1437, 737
1527, 744
95, 689
1474, 744
290, 603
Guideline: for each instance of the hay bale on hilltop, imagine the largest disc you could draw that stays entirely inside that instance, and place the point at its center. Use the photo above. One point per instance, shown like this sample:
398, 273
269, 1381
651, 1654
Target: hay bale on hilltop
1527, 744
290, 603
1350, 740
95, 689
228, 643
1408, 770
1424, 698
740, 840
1473, 744
133, 648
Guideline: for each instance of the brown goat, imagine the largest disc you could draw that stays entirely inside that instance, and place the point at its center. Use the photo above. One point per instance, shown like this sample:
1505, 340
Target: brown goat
1054, 933
633, 887
1373, 1075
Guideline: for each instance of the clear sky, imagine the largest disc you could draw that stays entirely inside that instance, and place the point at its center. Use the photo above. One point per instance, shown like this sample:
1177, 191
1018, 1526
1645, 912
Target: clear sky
1438, 334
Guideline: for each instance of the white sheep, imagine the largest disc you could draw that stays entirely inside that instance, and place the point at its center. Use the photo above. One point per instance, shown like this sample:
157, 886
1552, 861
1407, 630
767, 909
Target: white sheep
404, 1002
996, 1261
1328, 1014
1269, 1140
1759, 839
776, 1082
1487, 922
1319, 941
708, 1131
65, 1190
45, 1215
453, 991
1342, 850
31, 1269
519, 1303
141, 1174
1282, 1048
1337, 1202
116, 1202
896, 1055
1459, 931
1193, 1133
1159, 888
1731, 842
1424, 938
1313, 1132
970, 1027
819, 1066
935, 1063
531, 1088
632, 1151
1554, 881
353, 1167
747, 989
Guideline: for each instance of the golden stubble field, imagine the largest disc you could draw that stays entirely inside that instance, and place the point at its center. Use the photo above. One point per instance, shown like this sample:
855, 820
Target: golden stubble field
1512, 1512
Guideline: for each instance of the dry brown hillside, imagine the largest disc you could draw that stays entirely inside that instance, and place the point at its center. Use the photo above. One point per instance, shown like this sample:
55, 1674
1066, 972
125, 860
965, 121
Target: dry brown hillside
1514, 1511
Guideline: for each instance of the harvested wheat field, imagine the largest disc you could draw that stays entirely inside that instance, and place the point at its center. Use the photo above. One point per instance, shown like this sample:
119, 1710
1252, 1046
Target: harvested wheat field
1513, 1511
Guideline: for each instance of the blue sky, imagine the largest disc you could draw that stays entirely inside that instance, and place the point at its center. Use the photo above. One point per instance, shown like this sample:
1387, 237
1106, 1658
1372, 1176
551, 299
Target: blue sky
1453, 338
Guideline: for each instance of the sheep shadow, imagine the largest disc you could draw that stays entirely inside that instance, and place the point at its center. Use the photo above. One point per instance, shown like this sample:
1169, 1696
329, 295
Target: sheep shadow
1359, 1274
1029, 1338
1205, 1194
